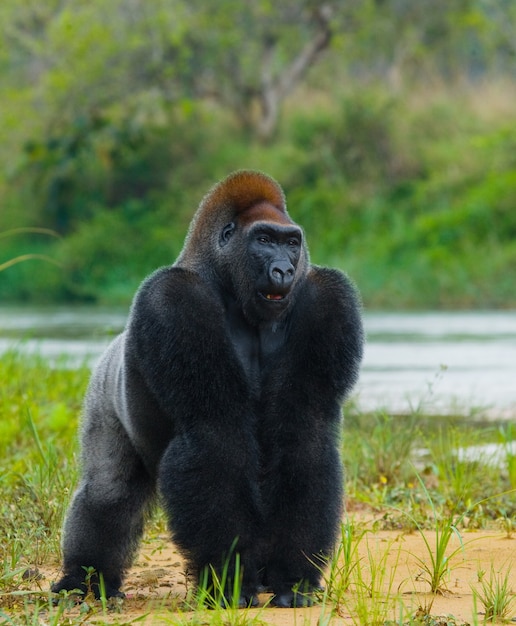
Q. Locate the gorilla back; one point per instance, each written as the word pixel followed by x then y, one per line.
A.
pixel 224 394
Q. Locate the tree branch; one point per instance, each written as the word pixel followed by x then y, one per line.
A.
pixel 275 89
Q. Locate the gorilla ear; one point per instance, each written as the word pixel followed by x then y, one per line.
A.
pixel 226 234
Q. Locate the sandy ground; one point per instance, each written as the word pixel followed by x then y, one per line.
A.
pixel 156 584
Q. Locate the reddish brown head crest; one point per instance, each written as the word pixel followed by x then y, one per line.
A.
pixel 243 197
pixel 244 190
pixel 263 211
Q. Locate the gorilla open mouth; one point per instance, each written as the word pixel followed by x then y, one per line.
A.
pixel 272 297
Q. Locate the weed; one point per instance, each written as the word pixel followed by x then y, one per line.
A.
pixel 381 449
pixel 374 599
pixel 221 593
pixel 39 405
pixel 346 559
pixel 495 594
pixel 436 566
pixel 507 524
pixel 461 479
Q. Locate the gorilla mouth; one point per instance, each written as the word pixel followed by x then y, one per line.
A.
pixel 272 297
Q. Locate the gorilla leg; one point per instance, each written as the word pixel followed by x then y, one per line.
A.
pixel 210 493
pixel 303 523
pixel 105 521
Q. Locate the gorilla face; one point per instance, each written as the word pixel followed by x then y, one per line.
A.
pixel 265 265
pixel 274 252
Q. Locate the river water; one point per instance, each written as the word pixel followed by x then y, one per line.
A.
pixel 438 362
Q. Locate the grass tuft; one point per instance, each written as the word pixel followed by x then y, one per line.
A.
pixel 495 594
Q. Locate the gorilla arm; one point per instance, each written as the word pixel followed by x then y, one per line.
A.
pixel 177 342
pixel 338 337
pixel 178 346
pixel 301 434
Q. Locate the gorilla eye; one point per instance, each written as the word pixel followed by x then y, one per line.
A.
pixel 263 239
pixel 293 242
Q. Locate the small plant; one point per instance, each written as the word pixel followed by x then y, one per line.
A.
pixel 374 600
pixel 221 592
pixel 342 565
pixel 462 480
pixel 38 610
pixel 427 399
pixel 495 594
pixel 507 524
pixel 381 451
pixel 222 595
pixel 436 566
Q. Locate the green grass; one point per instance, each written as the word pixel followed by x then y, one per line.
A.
pixel 39 407
pixel 403 468
pixel 375 599
pixel 495 594
pixel 436 565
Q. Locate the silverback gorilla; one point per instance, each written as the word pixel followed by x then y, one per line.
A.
pixel 224 392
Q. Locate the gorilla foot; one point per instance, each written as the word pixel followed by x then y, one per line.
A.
pixel 246 601
pixel 292 600
pixel 77 584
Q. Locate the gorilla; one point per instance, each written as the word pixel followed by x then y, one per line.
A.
pixel 223 394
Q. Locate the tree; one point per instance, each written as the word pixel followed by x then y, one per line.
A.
pixel 256 54
pixel 248 56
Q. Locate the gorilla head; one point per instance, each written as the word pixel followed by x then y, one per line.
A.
pixel 256 253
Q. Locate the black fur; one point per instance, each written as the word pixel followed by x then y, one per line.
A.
pixel 233 411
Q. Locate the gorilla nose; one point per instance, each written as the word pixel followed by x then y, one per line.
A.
pixel 281 273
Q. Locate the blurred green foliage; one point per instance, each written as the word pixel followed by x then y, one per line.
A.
pixel 396 147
